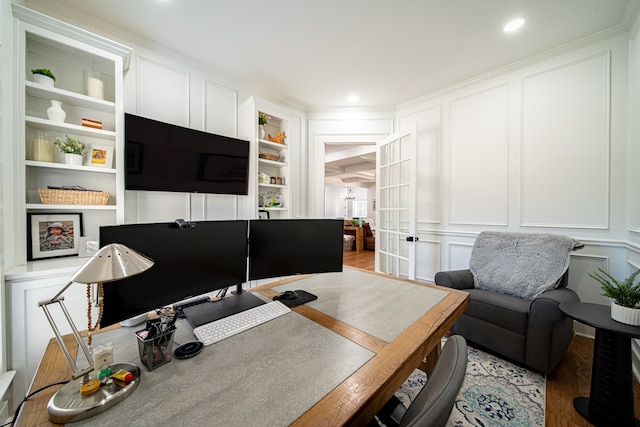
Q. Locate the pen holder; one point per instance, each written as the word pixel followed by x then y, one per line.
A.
pixel 155 350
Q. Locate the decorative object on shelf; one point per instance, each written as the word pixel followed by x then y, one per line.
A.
pixel 263 119
pixel 112 262
pixel 273 199
pixel 42 147
pixel 262 131
pixel 277 139
pixel 100 156
pixel 55 113
pixel 52 235
pixel 74 195
pixel 93 84
pixel 269 156
pixel 263 178
pixel 95 124
pixel 88 246
pixel 625 307
pixel 43 76
pixel 72 148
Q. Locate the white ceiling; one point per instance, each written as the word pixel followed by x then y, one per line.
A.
pixel 313 54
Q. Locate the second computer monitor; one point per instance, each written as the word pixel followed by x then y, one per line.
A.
pixel 284 247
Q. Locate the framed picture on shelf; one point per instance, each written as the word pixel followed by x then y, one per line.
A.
pixel 52 235
pixel 100 156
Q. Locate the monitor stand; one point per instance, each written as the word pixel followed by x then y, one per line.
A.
pixel 213 310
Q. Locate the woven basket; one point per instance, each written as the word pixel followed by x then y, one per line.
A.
pixel 269 156
pixel 72 197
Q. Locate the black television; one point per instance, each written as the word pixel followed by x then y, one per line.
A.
pixel 165 157
pixel 188 262
pixel 285 247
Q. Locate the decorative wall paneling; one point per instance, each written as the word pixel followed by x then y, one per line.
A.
pixel 479 158
pixel 565 145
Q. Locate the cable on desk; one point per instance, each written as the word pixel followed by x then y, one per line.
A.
pixel 15 415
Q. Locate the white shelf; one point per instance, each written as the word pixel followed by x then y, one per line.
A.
pixel 42 206
pixel 271 185
pixel 273 145
pixel 70 98
pixel 273 163
pixel 51 165
pixel 49 125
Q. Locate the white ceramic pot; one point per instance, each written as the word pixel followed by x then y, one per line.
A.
pixel 55 113
pixel 73 159
pixel 626 315
pixel 43 80
pixel 262 131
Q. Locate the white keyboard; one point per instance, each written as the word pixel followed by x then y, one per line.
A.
pixel 220 329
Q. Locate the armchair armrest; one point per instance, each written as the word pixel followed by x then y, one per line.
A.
pixel 456 279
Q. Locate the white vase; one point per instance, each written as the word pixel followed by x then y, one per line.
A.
pixel 43 80
pixel 73 159
pixel 262 131
pixel 626 315
pixel 55 113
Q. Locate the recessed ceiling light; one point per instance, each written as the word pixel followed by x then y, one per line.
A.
pixel 352 98
pixel 513 25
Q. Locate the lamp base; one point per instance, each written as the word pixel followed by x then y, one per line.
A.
pixel 68 405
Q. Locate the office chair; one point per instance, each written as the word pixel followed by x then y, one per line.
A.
pixel 433 405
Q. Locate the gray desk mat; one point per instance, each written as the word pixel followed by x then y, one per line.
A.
pixel 381 306
pixel 268 375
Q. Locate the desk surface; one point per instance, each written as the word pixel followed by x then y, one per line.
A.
pixel 333 361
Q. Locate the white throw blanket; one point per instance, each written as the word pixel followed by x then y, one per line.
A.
pixel 520 264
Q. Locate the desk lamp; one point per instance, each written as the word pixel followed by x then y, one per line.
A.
pixel 70 403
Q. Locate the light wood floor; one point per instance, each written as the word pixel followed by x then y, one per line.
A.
pixel 571 378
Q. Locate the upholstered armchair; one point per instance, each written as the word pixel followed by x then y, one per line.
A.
pixel 516 282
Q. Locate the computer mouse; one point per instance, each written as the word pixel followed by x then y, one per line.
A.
pixel 288 295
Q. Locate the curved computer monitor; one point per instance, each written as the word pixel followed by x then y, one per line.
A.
pixel 189 261
pixel 284 247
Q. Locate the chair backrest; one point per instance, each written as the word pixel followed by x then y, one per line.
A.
pixel 433 405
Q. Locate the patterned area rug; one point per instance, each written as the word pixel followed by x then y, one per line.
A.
pixel 495 393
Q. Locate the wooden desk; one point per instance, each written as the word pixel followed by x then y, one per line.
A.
pixel 352 401
pixel 359 233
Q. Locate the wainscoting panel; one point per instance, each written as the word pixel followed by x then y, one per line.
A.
pixel 459 255
pixel 220 109
pixel 162 93
pixel 479 155
pixel 428 161
pixel 427 259
pixel 565 146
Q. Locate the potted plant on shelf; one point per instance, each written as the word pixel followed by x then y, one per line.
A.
pixel 72 148
pixel 625 307
pixel 43 76
pixel 263 119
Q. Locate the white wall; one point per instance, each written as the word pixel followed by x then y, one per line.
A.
pixel 542 148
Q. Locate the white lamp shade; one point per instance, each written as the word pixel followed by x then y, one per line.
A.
pixel 112 262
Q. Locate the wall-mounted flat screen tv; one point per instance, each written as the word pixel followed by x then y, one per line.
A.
pixel 164 157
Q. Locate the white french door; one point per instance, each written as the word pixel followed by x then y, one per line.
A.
pixel 396 205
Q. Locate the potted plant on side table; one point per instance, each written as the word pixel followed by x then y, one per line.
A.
pixel 72 148
pixel 625 307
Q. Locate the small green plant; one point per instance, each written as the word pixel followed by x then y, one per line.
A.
pixel 44 72
pixel 70 145
pixel 624 292
pixel 263 119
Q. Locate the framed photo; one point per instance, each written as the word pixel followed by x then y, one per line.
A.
pixel 100 156
pixel 52 235
pixel 88 246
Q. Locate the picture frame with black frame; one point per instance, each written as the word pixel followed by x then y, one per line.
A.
pixel 53 234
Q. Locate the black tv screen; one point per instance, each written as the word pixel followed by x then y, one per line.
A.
pixel 165 157
pixel 188 262
pixel 284 247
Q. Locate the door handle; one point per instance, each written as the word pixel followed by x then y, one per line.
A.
pixel 412 239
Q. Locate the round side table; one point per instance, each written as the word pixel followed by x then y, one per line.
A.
pixel 611 397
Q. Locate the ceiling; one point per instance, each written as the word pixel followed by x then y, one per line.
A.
pixel 313 54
